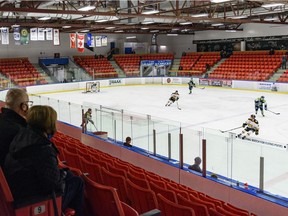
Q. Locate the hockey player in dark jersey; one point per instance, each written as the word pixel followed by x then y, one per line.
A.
pixel 250 126
pixel 174 97
pixel 260 103
pixel 191 85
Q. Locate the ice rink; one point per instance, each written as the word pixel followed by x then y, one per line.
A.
pixel 211 108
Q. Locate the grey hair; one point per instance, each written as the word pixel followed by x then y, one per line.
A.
pixel 15 97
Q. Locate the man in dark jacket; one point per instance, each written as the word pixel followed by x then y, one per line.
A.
pixel 12 118
pixel 196 165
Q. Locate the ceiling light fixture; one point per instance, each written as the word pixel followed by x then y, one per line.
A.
pixel 232 31
pixel 154 31
pixel 119 31
pixel 172 35
pixel 101 20
pixel 217 24
pixel 185 23
pixel 130 37
pixel 85 30
pixel 219 1
pixel 270 19
pixel 44 18
pixel 15 26
pixel 200 15
pixel 111 27
pixel 272 5
pixel 144 28
pixel 147 22
pixel 87 8
pixel 150 12
pixel 66 27
pixel 239 17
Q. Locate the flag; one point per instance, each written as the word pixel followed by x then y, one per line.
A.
pixel 16 35
pixel 89 39
pixel 72 40
pixel 33 34
pixel 56 40
pixel 80 42
pixel 5 35
pixel 24 36
pixel 49 33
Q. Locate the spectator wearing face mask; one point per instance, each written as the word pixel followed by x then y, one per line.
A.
pixel 31 166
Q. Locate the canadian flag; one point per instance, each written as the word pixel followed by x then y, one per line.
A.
pixel 72 40
pixel 80 42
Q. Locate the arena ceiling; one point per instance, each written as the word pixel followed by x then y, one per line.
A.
pixel 142 16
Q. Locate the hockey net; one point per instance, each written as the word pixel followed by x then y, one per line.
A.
pixel 92 87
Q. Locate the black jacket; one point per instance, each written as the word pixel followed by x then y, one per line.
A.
pixel 10 124
pixel 31 166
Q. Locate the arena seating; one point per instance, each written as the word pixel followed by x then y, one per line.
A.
pixel 97 68
pixel 195 63
pixel 130 63
pixel 250 65
pixel 283 77
pixel 20 71
pixel 140 195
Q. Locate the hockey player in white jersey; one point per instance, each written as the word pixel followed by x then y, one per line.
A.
pixel 260 103
pixel 250 126
pixel 174 97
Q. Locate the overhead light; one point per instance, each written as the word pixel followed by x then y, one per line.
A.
pixel 154 31
pixel 44 18
pixel 130 37
pixel 200 15
pixel 111 27
pixel 272 5
pixel 150 12
pixel 101 20
pixel 15 26
pixel 185 23
pixel 131 23
pixel 85 30
pixel 175 29
pixel 239 17
pixel 270 19
pixel 219 1
pixel 119 31
pixel 66 27
pixel 147 22
pixel 231 31
pixel 172 35
pixel 144 28
pixel 217 24
pixel 87 8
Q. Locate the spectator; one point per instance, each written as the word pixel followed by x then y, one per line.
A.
pixel 180 68
pixel 195 166
pixel 284 60
pixel 128 142
pixel 31 166
pixel 12 118
pixel 271 52
pixel 207 67
pixel 184 54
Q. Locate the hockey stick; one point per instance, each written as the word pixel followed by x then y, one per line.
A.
pixel 230 129
pixel 94 126
pixel 273 112
pixel 178 105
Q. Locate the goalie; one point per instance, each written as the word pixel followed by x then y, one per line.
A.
pixel 250 126
pixel 174 97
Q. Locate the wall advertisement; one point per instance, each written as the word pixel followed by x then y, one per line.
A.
pixel 216 82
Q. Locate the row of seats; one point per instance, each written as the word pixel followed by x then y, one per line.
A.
pixel 138 188
pixel 130 63
pixel 20 71
pixel 97 68
pixel 283 77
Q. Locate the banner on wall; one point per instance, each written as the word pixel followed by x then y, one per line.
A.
pixel 89 39
pixel 5 35
pixel 41 34
pixel 92 42
pixel 104 40
pixel 33 34
pixel 80 42
pixel 171 80
pixel 56 37
pixel 216 82
pixel 49 33
pixel 73 40
pixel 24 36
pixel 16 35
pixel 98 41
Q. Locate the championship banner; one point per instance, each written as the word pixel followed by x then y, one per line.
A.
pixel 98 41
pixel 24 36
pixel 5 35
pixel 80 42
pixel 92 42
pixel 33 34
pixel 16 35
pixel 89 39
pixel 41 34
pixel 72 40
pixel 49 33
pixel 56 38
pixel 104 40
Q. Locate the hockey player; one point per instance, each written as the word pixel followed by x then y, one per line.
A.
pixel 87 118
pixel 191 85
pixel 259 104
pixel 250 126
pixel 174 97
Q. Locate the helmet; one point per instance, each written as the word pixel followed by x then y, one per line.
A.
pixel 262 97
pixel 89 109
pixel 176 91
pixel 253 116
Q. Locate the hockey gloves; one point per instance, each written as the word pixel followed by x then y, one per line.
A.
pixel 257 132
pixel 244 124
